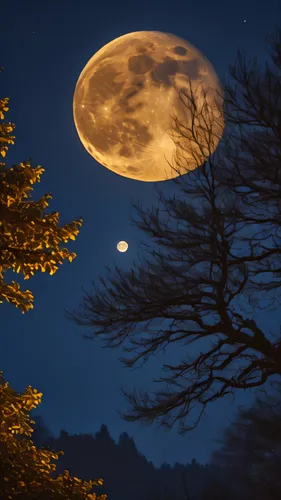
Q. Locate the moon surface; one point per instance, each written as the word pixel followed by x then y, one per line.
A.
pixel 122 246
pixel 127 97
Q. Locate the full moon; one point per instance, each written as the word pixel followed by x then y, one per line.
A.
pixel 126 99
pixel 122 246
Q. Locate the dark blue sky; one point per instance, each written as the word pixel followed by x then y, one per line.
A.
pixel 45 45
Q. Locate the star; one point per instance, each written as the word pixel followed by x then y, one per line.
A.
pixel 245 20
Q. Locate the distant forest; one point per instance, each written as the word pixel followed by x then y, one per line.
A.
pixel 246 464
pixel 127 474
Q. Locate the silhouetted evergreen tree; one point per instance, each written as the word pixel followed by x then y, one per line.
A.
pixel 251 448
pixel 41 433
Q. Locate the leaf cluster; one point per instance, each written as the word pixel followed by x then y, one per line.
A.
pixel 27 472
pixel 30 239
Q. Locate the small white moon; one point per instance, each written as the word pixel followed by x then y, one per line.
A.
pixel 122 246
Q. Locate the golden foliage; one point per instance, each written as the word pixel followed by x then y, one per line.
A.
pixel 27 472
pixel 30 239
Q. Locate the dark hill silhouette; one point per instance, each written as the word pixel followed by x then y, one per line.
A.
pixel 126 472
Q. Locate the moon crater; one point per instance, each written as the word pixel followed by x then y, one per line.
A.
pixel 140 65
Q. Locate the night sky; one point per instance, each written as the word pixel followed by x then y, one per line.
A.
pixel 44 47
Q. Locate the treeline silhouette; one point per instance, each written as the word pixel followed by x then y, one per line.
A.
pixel 126 472
pixel 245 465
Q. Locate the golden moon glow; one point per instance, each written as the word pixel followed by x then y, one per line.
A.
pixel 122 246
pixel 127 95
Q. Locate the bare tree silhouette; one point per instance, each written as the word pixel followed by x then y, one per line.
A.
pixel 214 256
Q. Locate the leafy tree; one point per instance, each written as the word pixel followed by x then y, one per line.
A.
pixel 208 265
pixel 30 239
pixel 27 472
